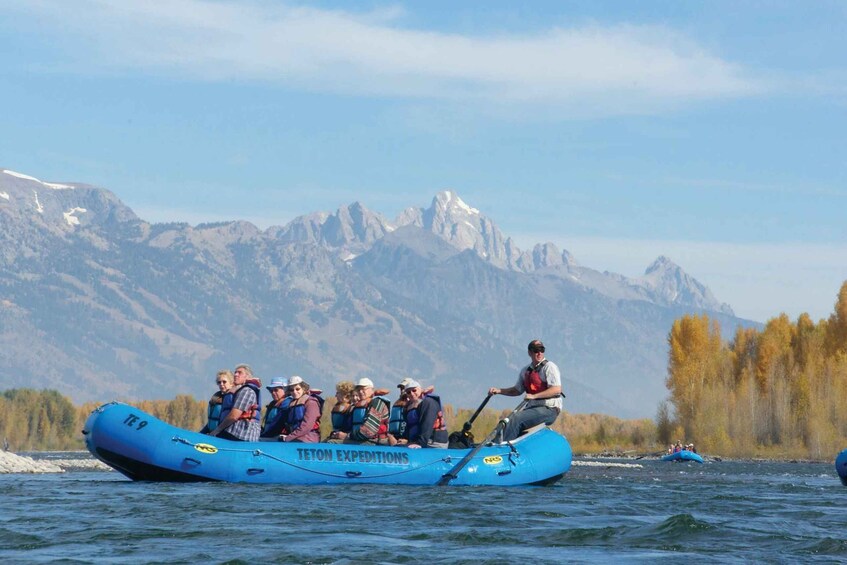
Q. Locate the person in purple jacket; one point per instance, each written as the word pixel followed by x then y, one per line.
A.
pixel 304 413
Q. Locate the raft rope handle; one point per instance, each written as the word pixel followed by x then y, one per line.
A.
pixel 259 453
pixel 102 407
pixel 347 473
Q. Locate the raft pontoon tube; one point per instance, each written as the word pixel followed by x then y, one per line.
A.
pixel 145 448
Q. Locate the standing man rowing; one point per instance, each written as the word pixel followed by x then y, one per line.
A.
pixel 542 383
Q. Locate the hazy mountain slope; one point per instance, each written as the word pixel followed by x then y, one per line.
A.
pixel 100 304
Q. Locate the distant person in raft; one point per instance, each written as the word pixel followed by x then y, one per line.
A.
pixel 241 412
pixel 542 383
pixel 224 380
pixel 370 418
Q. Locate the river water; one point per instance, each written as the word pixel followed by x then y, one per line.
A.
pixel 725 511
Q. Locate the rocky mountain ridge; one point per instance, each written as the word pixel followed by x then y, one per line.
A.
pixel 99 303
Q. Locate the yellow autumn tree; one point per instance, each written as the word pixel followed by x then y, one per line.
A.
pixel 836 334
pixel 695 358
pixel 774 354
pixel 778 392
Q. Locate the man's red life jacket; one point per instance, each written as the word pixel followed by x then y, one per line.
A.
pixel 532 381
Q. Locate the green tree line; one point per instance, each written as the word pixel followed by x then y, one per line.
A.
pixel 778 392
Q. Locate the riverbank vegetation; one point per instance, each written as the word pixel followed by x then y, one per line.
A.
pixel 775 393
pixel 45 420
pixel 778 392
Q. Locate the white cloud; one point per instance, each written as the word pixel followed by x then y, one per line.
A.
pixel 590 69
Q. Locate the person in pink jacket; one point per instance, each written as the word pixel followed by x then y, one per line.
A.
pixel 304 413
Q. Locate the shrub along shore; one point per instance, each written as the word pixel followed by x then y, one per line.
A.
pixel 45 420
pixel 774 394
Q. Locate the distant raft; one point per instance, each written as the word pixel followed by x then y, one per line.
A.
pixel 841 466
pixel 683 455
pixel 145 448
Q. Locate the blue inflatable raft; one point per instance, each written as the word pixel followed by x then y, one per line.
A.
pixel 841 466
pixel 683 455
pixel 145 448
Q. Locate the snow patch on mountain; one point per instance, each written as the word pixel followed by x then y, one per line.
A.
pixel 38 207
pixel 70 218
pixel 53 185
pixel 58 186
pixel 4 195
pixel 452 199
pixel 20 175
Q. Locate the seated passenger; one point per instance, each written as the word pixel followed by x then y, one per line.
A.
pixel 240 409
pixel 370 418
pixel 224 381
pixel 424 419
pixel 304 414
pixel 396 421
pixel 276 412
pixel 342 412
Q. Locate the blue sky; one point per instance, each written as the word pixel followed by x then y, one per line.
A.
pixel 710 132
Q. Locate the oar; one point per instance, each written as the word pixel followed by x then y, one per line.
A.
pixel 464 438
pixel 467 427
pixel 449 476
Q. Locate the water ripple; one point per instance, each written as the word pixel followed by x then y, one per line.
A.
pixel 730 511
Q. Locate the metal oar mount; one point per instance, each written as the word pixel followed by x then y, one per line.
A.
pixel 449 476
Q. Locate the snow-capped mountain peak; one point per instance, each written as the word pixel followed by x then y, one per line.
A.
pixel 669 284
pixel 449 199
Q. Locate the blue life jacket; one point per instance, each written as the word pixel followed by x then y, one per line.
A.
pixel 413 419
pixel 361 412
pixel 342 421
pixel 275 416
pixel 296 413
pixel 254 412
pixel 396 422
pixel 214 416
